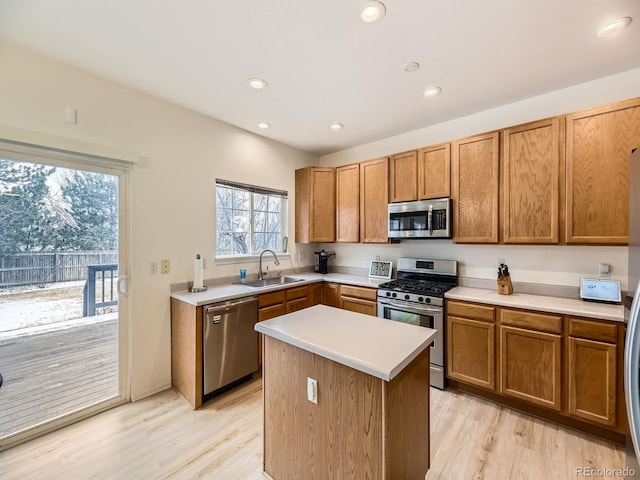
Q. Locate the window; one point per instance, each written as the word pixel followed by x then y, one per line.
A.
pixel 249 218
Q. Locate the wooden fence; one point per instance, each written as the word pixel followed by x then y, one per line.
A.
pixel 43 268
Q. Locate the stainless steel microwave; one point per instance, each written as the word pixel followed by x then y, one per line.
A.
pixel 421 219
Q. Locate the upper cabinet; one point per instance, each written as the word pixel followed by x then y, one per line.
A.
pixel 560 180
pixel 315 214
pixel 403 176
pixel 434 171
pixel 532 162
pixel 374 196
pixel 599 143
pixel 420 174
pixel 348 203
pixel 475 176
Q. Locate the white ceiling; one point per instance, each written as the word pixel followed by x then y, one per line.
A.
pixel 323 64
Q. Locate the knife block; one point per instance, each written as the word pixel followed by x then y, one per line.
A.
pixel 505 287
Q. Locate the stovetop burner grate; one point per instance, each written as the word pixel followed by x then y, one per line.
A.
pixel 419 287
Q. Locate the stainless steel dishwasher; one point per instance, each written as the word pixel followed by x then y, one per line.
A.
pixel 229 343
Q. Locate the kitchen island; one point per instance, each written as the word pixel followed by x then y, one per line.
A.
pixel 368 414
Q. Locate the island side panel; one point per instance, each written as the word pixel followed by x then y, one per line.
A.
pixel 340 437
pixel 186 351
pixel 406 414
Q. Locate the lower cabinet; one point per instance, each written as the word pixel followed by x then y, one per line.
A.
pixel 359 299
pixel 331 294
pixel 530 357
pixel 471 344
pixel 566 366
pixel 592 353
pixel 297 298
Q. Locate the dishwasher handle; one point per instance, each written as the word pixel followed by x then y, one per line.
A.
pixel 224 307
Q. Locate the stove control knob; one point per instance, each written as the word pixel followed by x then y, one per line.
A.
pixel 388 294
pixel 394 295
pixel 420 299
pixel 407 297
pixel 428 300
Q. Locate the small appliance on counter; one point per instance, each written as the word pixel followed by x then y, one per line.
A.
pixel 322 259
pixel 599 290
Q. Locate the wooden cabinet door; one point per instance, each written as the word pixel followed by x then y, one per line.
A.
pixel 530 364
pixel 531 165
pixel 348 203
pixel 592 380
pixel 599 143
pixel 471 351
pixel 403 177
pixel 475 177
pixel 331 294
pixel 374 198
pixel 434 171
pixel 316 294
pixel 315 207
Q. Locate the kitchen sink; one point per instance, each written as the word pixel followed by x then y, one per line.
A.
pixel 269 282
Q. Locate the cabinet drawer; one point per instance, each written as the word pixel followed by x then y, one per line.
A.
pixel 537 321
pixel 297 304
pixel 297 292
pixel 271 311
pixel 471 310
pixel 607 332
pixel 268 299
pixel 358 292
pixel 359 305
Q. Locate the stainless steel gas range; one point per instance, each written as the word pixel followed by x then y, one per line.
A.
pixel 417 297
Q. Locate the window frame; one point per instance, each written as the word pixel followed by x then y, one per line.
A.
pixel 252 190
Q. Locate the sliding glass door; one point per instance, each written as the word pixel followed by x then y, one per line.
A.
pixel 63 342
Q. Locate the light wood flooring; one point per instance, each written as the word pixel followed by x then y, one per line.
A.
pixel 162 438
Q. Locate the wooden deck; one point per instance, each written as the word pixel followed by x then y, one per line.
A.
pixel 56 372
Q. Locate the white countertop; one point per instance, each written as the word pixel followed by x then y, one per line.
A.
pixel 227 292
pixel 381 348
pixel 565 306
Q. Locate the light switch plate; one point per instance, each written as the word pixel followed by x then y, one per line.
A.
pixel 312 390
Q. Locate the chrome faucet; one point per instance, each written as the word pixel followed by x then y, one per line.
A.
pixel 262 274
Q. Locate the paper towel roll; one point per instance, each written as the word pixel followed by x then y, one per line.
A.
pixel 197 272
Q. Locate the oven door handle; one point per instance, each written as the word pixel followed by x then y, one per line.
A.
pixel 411 308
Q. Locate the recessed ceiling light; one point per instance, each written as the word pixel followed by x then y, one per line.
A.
pixel 614 26
pixel 263 125
pixel 257 83
pixel 336 126
pixel 432 91
pixel 372 12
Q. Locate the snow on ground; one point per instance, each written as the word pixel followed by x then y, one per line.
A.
pixel 31 308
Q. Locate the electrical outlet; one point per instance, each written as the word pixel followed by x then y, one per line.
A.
pixel 302 254
pixel 153 268
pixel 165 266
pixel 604 269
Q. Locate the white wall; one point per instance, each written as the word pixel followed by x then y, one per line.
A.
pixel 172 191
pixel 560 265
